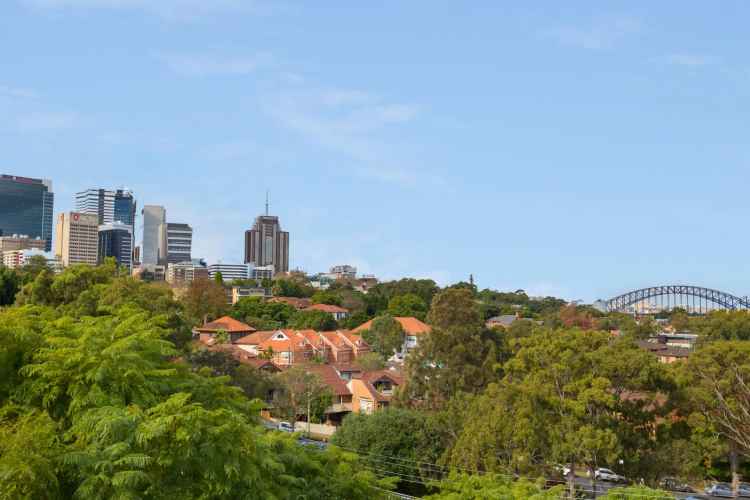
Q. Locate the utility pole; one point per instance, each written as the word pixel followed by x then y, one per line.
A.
pixel 309 397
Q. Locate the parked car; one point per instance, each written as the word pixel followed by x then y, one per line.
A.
pixel 744 490
pixel 722 490
pixel 674 484
pixel 285 427
pixel 696 497
pixel 609 476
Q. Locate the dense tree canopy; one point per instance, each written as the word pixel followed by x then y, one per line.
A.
pixel 97 401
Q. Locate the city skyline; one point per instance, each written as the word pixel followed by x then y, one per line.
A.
pixel 590 150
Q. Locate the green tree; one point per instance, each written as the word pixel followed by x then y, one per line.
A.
pixel 724 325
pixel 406 449
pixel 102 405
pixel 371 361
pixel 716 380
pixel 408 305
pixel 314 320
pixel 326 297
pixel 262 315
pixel 30 450
pixel 291 287
pixel 483 487
pixel 219 278
pixel 458 355
pixel 10 283
pixel 300 391
pixel 32 267
pixel 204 300
pixel 385 336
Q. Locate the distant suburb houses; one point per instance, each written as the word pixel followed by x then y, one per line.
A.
pixel 332 355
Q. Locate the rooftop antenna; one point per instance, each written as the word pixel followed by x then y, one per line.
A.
pixel 266 202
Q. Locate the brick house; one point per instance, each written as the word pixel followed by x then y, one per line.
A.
pixel 373 390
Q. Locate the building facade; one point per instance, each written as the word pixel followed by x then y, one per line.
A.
pixel 230 272
pixel 21 242
pixel 186 272
pixel 179 242
pixel 77 238
pixel 109 205
pixel 116 240
pixel 267 245
pixel 26 207
pixel 154 246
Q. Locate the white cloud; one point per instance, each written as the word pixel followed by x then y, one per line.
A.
pixel 41 121
pixel 347 122
pixel 690 60
pixel 206 65
pixel 601 35
pixel 17 92
pixel 170 9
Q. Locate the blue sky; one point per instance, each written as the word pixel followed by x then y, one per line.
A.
pixel 572 148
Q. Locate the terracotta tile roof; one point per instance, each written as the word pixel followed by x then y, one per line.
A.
pixel 261 364
pixel 371 377
pixel 411 326
pixel 337 340
pixel 228 324
pixel 354 338
pixel 254 338
pixel 329 377
pixel 327 308
pixel 368 380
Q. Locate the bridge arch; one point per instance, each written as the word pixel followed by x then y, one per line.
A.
pixel 679 296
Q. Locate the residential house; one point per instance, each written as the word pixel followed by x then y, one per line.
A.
pixel 373 390
pixel 284 347
pixel 338 313
pixel 287 347
pixel 235 329
pixel 413 330
pixel 343 346
pixel 236 293
pixel 295 302
pixel 341 404
pixel 505 321
pixel 665 353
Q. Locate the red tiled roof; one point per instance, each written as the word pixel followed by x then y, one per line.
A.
pixel 411 326
pixel 371 377
pixel 254 338
pixel 228 324
pixel 354 338
pixel 328 308
pixel 330 378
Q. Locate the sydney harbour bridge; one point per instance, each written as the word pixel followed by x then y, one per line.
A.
pixel 694 299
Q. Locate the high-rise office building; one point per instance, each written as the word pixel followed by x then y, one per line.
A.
pixel 154 245
pixel 179 242
pixel 266 244
pixel 109 205
pixel 230 272
pixel 26 207
pixel 77 238
pixel 116 240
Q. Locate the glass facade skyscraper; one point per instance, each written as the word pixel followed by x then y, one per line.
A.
pixel 116 240
pixel 109 205
pixel 26 207
pixel 179 242
pixel 154 246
